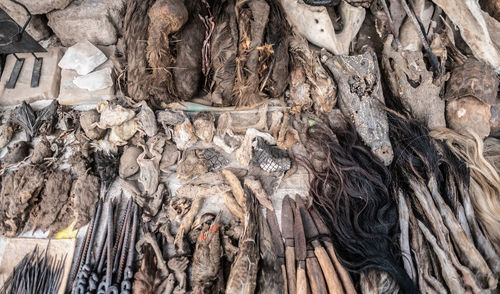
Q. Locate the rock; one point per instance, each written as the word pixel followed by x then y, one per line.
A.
pixel 49 79
pixel 70 94
pixel 44 6
pixel 83 57
pixel 97 80
pixel 37 27
pixel 96 21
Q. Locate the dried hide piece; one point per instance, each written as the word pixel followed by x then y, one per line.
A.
pixel 361 98
pixel 20 190
pixel 165 18
pixel 188 64
pixel 224 45
pixel 409 79
pixel 128 162
pixel 84 195
pixel 278 35
pixel 192 164
pixel 309 81
pixel 149 164
pixel 204 126
pixel 135 32
pixel 314 24
pixel 54 197
pixel 252 17
pixel 147 120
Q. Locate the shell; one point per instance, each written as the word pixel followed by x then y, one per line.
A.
pixel 473 78
pixel 88 120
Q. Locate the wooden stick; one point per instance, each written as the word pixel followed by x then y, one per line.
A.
pixel 344 275
pixel 285 279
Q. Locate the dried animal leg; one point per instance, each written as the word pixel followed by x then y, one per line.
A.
pixel 204 190
pixel 236 188
pixel 179 266
pixel 185 226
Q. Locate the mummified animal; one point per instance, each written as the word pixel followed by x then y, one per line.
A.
pixel 252 17
pixel 350 192
pixel 223 56
pixel 188 64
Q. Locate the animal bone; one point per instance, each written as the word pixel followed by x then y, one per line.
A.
pixel 314 24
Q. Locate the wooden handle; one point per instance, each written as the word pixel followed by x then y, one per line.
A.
pixel 285 279
pixel 331 277
pixel 302 287
pixel 316 279
pixel 290 269
pixel 344 275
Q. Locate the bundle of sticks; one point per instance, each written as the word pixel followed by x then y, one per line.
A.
pixel 307 256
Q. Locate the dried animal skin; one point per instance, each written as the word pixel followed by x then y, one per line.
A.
pixel 237 189
pixel 113 115
pixel 243 275
pixel 169 118
pixel 409 79
pixel 204 126
pixel 41 151
pixel 314 24
pixel 309 82
pixel 204 190
pixel 169 157
pixel 19 188
pixel 179 266
pixel 188 63
pixel 54 196
pixel 207 258
pixel 184 135
pixel 120 134
pixel 191 165
pixel 84 195
pixel 128 161
pixel 361 99
pixel 252 17
pixel 244 153
pixel 151 204
pixel 149 170
pixel 256 187
pixel 135 27
pixel 374 282
pixel 6 132
pixel 166 17
pixel 224 43
pixel 17 152
pixel 215 159
pixel 260 125
pixel 144 278
pixel 147 119
pixel 88 120
pixel 233 206
pixel 185 226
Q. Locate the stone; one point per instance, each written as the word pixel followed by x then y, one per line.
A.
pixel 97 80
pixel 98 21
pixel 49 79
pixel 37 27
pixel 44 6
pixel 83 57
pixel 71 94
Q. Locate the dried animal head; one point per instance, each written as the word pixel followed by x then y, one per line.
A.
pixel 41 151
